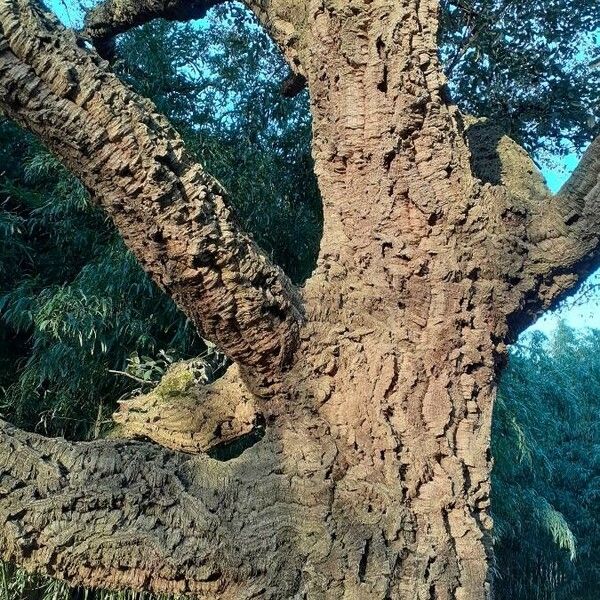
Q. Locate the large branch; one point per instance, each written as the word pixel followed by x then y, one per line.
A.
pixel 117 514
pixel 283 19
pixel 541 247
pixel 172 214
pixel 564 233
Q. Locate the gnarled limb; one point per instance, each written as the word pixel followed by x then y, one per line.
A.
pixel 184 416
pixel 562 239
pixel 544 244
pixel 283 19
pixel 126 514
pixel 566 233
pixel 171 213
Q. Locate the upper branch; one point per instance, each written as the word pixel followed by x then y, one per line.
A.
pixel 112 17
pixel 283 20
pixel 541 245
pixel 565 232
pixel 171 213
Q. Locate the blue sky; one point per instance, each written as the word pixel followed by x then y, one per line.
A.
pixel 576 311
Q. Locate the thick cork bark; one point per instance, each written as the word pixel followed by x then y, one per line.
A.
pixel 441 242
pixel 172 214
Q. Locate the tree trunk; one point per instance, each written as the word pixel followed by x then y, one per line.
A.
pixel 373 479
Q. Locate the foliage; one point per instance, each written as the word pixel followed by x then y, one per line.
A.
pixel 546 480
pixel 529 66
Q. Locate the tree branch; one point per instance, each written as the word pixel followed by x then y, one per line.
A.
pixel 565 232
pixel 282 19
pixel 117 514
pixel 112 17
pixel 184 416
pixel 541 246
pixel 172 214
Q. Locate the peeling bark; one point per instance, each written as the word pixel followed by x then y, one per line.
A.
pixel 440 242
pixel 182 415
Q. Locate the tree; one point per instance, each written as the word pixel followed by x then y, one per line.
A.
pixel 374 381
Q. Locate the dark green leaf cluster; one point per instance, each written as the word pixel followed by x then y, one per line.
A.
pixel 528 65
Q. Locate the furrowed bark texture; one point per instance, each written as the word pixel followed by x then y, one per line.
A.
pixel 115 514
pixel 182 415
pixel 172 214
pixel 441 240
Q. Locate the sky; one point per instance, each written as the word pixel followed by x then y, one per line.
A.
pixel 579 311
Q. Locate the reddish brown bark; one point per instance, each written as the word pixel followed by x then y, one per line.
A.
pixel 440 242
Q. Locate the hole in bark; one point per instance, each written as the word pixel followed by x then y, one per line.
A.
pixel 380 48
pixel 572 218
pixel 433 219
pixel 388 159
pixel 382 86
pixel 362 566
pixel 233 449
pixel 483 140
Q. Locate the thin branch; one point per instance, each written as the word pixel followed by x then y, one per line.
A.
pixel 113 17
pixel 474 35
pixel 138 379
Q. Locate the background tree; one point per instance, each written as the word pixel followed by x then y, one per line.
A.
pixel 545 485
pixel 529 67
pixel 367 551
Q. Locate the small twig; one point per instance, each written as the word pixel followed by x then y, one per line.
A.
pixel 138 379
